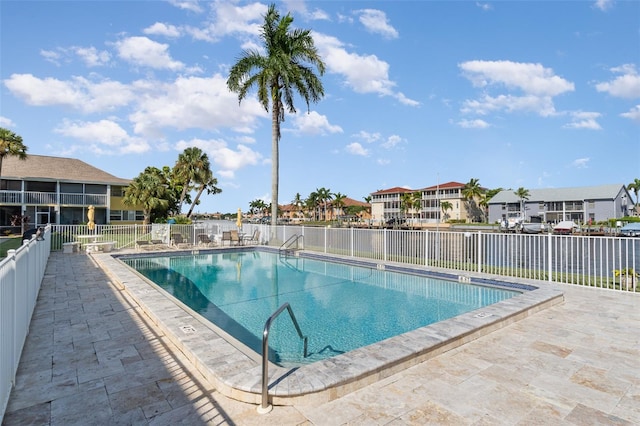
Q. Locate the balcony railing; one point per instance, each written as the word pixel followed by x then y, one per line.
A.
pixel 51 198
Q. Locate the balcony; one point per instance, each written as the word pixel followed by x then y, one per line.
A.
pixel 51 198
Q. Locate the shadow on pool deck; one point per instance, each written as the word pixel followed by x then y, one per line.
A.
pixel 93 357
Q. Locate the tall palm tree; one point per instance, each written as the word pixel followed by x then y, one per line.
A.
pixel 311 204
pixel 149 190
pixel 635 187
pixel 11 144
pixel 324 195
pixel 338 203
pixel 192 168
pixel 472 191
pixel 298 203
pixel 522 194
pixel 284 69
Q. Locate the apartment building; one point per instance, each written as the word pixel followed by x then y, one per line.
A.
pixel 59 190
pixel 386 204
pixel 580 204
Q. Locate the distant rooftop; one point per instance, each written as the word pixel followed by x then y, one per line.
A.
pixel 600 192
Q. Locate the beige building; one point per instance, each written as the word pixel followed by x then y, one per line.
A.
pixel 59 190
pixel 386 204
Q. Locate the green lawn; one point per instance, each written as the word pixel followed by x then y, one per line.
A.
pixel 9 244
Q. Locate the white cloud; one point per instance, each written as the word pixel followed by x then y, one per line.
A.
pixel 392 141
pixel 363 73
pixel 194 102
pixel 103 137
pixel 78 93
pixel 473 124
pixel 533 79
pixel 625 86
pixel 142 51
pixel 92 57
pixel 633 114
pixel 219 153
pixel 6 122
pixel 603 4
pixel 484 6
pixel 485 105
pixel 51 56
pixel 356 149
pixel 230 19
pixel 375 21
pixel 367 137
pixel 190 5
pixel 535 87
pixel 313 123
pixel 104 131
pixel 580 163
pixel 160 28
pixel 584 120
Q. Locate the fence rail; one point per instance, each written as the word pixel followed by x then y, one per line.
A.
pixel 21 274
pixel 598 261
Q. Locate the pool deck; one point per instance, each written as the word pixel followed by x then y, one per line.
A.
pixel 95 356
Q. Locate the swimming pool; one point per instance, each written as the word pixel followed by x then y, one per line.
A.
pixel 339 307
pixel 236 372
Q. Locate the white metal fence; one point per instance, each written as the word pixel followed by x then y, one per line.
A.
pixel 596 261
pixel 21 274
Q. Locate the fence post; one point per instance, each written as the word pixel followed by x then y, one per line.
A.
pixel 479 252
pixel 549 256
pixel 352 237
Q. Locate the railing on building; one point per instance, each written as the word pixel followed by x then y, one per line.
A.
pixel 51 198
pixel 21 274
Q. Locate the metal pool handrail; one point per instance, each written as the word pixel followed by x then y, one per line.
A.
pixel 294 239
pixel 265 407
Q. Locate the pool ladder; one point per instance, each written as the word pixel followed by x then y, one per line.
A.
pixel 265 407
pixel 292 244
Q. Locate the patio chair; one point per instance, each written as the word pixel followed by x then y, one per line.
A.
pixel 178 242
pixel 253 238
pixel 235 238
pixel 226 236
pixel 204 240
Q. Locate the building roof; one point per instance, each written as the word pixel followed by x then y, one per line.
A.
pixel 601 192
pixel 401 190
pixel 446 185
pixel 43 167
pixel 395 190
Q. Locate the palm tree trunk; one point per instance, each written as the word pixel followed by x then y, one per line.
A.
pixel 275 137
pixel 195 200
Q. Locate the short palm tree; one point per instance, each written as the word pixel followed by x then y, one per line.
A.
pixel 446 206
pixel 192 168
pixel 522 194
pixel 149 190
pixel 283 69
pixel 635 187
pixel 471 192
pixel 324 195
pixel 338 203
pixel 11 144
pixel 298 203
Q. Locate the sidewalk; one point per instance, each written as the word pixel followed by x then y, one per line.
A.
pixel 92 358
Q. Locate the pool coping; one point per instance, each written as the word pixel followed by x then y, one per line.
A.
pixel 238 375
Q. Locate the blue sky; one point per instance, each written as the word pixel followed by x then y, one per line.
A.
pixel 533 94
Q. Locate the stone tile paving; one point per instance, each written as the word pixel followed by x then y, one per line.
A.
pixel 92 357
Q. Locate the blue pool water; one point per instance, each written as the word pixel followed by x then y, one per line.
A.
pixel 339 307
